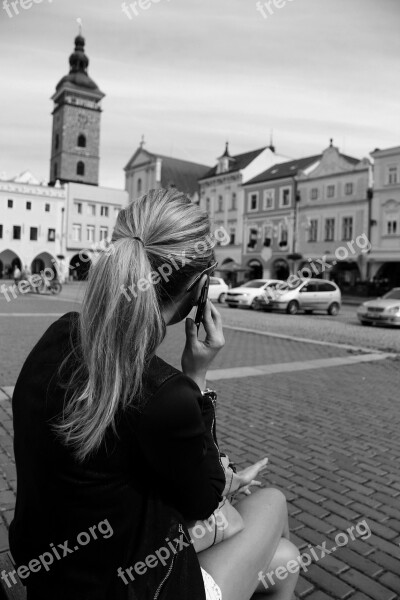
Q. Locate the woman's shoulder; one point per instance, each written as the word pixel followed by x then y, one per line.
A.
pixel 172 397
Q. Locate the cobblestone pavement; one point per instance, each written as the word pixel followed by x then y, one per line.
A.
pixel 331 435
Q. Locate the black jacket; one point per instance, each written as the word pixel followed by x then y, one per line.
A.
pixel 112 527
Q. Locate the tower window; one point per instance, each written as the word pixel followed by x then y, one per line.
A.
pixel 57 141
pixel 80 168
pixel 82 141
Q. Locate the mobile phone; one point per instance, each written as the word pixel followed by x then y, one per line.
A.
pixel 201 305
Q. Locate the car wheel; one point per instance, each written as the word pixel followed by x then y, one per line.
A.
pixel 333 309
pixel 292 308
pixel 232 305
pixel 254 304
pixel 222 298
pixel 309 312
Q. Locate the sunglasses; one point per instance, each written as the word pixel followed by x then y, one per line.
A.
pixel 208 271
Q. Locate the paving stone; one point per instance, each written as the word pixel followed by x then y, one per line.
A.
pixel 391 581
pixel 367 585
pixel 329 583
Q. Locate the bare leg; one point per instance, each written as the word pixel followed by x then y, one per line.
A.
pixel 236 563
pixel 282 587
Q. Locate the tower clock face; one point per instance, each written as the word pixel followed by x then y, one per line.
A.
pixel 82 120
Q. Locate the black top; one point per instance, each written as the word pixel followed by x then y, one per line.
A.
pixel 78 523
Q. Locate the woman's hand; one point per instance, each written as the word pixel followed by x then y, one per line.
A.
pixel 248 476
pixel 197 355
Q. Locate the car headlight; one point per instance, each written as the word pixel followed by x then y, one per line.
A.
pixel 394 309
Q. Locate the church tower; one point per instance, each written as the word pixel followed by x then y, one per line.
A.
pixel 75 140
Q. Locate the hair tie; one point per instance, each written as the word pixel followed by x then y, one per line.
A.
pixel 139 240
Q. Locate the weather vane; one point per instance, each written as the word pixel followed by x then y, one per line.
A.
pixel 79 21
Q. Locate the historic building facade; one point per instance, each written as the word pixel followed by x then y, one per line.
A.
pixel 146 171
pixel 222 196
pixel 384 259
pixel 270 218
pixel 334 217
pixel 31 220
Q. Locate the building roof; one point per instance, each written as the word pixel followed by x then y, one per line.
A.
pixel 285 169
pixel 183 174
pixel 236 163
pixel 78 78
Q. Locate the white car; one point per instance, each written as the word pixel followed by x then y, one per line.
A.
pixel 247 294
pixel 382 311
pixel 218 289
pixel 308 295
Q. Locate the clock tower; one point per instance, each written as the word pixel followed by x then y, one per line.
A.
pixel 75 140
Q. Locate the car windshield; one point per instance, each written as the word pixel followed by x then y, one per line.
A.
pixel 256 283
pixel 393 294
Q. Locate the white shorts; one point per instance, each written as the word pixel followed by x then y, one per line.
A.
pixel 213 591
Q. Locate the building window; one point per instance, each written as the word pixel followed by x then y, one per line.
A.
pixel 1 231
pixel 139 186
pixel 220 204
pixel 55 171
pixel 348 190
pixel 103 233
pixel 80 168
pixel 57 141
pixel 208 205
pixel 253 201
pixel 91 210
pixel 329 230
pixel 269 199
pixel 234 201
pixel 268 230
pixel 330 191
pixel 76 233
pixel 283 235
pixel 81 141
pixel 104 211
pixel 314 194
pixel 10 203
pixel 16 232
pixel 392 175
pixel 28 205
pixel 51 235
pixel 347 228
pixel 33 234
pixel 313 230
pixel 90 233
pixel 391 227
pixel 253 234
pixel 47 207
pixel 284 199
pixel 78 207
pixel 232 235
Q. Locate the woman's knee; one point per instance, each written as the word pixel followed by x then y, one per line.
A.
pixel 275 499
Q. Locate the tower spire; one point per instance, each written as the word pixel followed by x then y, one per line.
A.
pixel 271 140
pixel 79 21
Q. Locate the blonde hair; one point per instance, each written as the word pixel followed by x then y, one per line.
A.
pixel 118 335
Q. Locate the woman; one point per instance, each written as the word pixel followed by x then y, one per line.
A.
pixel 113 446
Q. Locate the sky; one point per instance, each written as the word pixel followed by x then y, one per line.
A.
pixel 192 74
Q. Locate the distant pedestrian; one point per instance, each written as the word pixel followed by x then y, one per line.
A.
pixel 16 274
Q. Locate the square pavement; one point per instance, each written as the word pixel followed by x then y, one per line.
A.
pixel 331 435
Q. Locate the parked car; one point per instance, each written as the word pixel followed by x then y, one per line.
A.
pixel 247 294
pixel 309 295
pixel 382 311
pixel 218 289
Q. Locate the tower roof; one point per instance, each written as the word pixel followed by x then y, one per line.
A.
pixel 78 78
